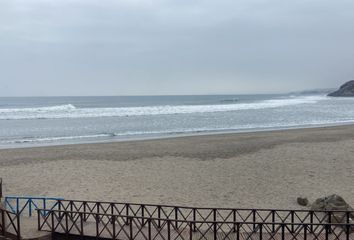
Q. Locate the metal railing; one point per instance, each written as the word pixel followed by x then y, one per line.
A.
pixel 28 205
pixel 204 214
pixel 127 227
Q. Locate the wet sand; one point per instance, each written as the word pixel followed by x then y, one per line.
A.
pixel 258 170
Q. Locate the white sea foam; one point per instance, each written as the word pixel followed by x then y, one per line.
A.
pixel 70 111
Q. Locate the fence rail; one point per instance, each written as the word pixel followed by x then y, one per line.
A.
pixel 205 214
pixel 127 227
pixel 10 224
pixel 27 205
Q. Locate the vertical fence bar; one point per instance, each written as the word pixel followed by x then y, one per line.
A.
pixel 66 225
pixel 97 227
pixel 81 225
pixel 114 227
pixel 260 231
pixel 327 231
pixel 311 221
pixel 194 219
pixel 52 223
pixel 143 215
pixel 238 231
pixel 330 221
pixel 191 230
pixel 305 231
pixel 17 205
pixel 234 219
pixel 159 216
pixel 273 221
pixel 176 217
pixel 254 219
pixel 30 207
pixel 3 231
pixel 149 229
pixel 292 221
pixel 127 213
pixel 130 228
pixel 168 230
pixel 84 203
pixel 38 220
pixel 215 230
pixel 282 231
pixel 112 212
pixel 18 226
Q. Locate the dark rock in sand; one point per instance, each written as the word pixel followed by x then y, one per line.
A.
pixel 335 203
pixel 302 201
pixel 346 90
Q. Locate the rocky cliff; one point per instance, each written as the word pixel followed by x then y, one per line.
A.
pixel 346 90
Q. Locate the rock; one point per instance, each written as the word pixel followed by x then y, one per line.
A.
pixel 330 203
pixel 346 90
pixel 302 201
pixel 335 203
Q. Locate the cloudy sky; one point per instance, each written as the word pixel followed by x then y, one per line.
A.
pixel 146 47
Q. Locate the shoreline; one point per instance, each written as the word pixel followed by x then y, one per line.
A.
pixel 128 138
pixel 240 170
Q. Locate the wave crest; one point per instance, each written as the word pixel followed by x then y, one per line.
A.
pixel 70 111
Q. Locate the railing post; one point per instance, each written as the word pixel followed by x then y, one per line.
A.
pixel 18 227
pixel 176 217
pixel 131 228
pixel 30 207
pixel 168 229
pixel 97 228
pixel 327 231
pixel 282 231
pixel 114 227
pixel 273 221
pixel 330 221
pixel 194 220
pixel 66 225
pixel 81 225
pixel 305 231
pixel 292 221
pixel 158 216
pixel 191 230
pixel 347 226
pixel 17 205
pixel 3 231
pixel 149 228
pixel 112 212
pixel 85 203
pixel 311 221
pixel 52 222
pixel 38 220
pixel 254 219
pixel 238 231
pixel 215 231
pixel 260 231
pixel 127 213
pixel 143 215
pixel 214 224
pixel 234 219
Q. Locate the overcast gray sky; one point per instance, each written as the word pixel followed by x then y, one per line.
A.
pixel 145 47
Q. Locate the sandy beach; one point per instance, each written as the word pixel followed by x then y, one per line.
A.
pixel 258 170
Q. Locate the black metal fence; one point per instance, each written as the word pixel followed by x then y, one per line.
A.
pixel 164 222
pixel 123 227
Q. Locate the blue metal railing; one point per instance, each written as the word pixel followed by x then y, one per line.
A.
pixel 22 204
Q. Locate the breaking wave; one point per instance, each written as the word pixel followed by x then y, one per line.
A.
pixel 70 111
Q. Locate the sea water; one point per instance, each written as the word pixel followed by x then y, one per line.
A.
pixel 37 121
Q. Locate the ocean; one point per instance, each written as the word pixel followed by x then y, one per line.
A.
pixel 40 121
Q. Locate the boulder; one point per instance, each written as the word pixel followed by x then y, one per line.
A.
pixel 302 201
pixel 335 203
pixel 346 90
